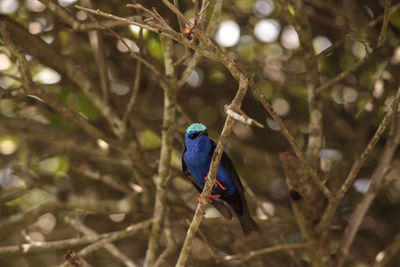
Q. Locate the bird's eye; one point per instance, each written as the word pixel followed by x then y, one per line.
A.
pixel 192 136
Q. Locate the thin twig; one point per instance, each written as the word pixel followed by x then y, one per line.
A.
pixel 198 216
pixel 291 141
pixel 330 210
pixel 328 84
pixel 177 12
pixel 78 25
pixel 79 226
pixel 370 24
pixel 167 136
pixel 243 118
pixel 260 252
pixel 386 16
pixel 135 90
pixel 102 239
pixel 66 243
pixel 384 256
pixel 376 182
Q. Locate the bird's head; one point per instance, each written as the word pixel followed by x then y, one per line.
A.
pixel 196 138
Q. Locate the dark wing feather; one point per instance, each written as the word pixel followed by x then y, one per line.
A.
pixel 238 200
pixel 228 166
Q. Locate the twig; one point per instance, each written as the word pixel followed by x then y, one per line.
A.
pixel 302 25
pixel 165 151
pixel 107 179
pixel 256 253
pixel 344 74
pixel 198 216
pixel 102 64
pixel 135 90
pixel 243 118
pixel 116 18
pixel 384 256
pixel 75 24
pixel 78 225
pixel 177 12
pixel 291 141
pixel 376 182
pixel 66 243
pixel 386 16
pixel 171 244
pixel 103 239
pixel 330 210
pixel 366 26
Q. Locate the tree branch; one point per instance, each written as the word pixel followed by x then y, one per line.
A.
pixel 212 173
pixel 330 210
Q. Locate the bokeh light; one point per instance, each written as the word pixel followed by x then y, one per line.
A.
pixel 136 29
pixel 196 78
pixel 281 106
pixel 320 43
pixel 8 6
pixel 35 27
pixel 8 146
pixel 127 45
pixel 119 87
pixel 65 3
pixel 81 15
pixel 289 38
pixel 117 217
pixel 5 62
pixel 35 5
pixel 47 76
pixel 267 30
pixel 361 185
pixel 228 33
pixel 349 94
pixel 263 8
pixel 273 124
pixel 358 50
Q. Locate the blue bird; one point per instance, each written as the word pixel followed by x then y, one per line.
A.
pixel 228 189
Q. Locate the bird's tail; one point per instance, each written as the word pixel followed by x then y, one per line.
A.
pixel 247 223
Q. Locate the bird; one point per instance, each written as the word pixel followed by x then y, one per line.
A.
pixel 228 188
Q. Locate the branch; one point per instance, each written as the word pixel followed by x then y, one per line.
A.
pixel 243 118
pixel 344 74
pixel 64 65
pixel 66 243
pixel 376 182
pixel 79 226
pixel 260 252
pixel 291 141
pixel 168 131
pixel 386 17
pixel 78 25
pixel 212 173
pixel 370 24
pixel 330 210
pixel 391 250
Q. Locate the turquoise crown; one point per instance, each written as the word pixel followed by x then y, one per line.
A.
pixel 196 127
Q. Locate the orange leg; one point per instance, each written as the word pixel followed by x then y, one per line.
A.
pixel 210 200
pixel 217 183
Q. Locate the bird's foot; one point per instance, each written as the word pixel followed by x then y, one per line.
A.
pixel 210 200
pixel 217 183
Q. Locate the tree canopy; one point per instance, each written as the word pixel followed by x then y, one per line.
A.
pixel 95 98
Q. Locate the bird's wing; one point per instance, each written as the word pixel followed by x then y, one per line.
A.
pixel 228 166
pixel 217 203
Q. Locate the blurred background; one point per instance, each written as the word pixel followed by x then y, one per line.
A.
pixel 52 169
